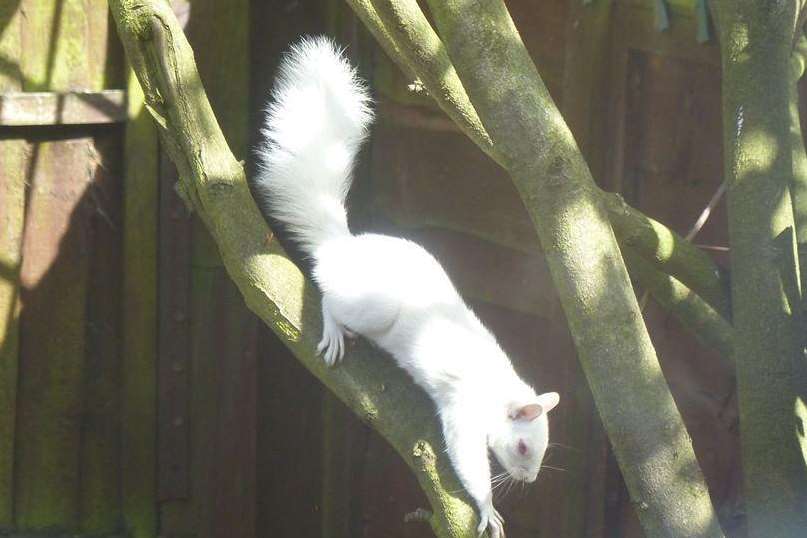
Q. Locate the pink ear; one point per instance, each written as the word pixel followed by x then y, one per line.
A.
pixel 527 412
pixel 548 401
pixel 544 403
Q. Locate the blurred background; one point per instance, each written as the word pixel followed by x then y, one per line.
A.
pixel 139 397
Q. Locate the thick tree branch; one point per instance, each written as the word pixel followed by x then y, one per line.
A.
pixel 369 383
pixel 401 26
pixel 649 438
pixel 756 42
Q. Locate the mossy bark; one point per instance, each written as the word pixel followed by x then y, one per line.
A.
pixel 273 287
pixel 756 41
pixel 405 34
pixel 649 438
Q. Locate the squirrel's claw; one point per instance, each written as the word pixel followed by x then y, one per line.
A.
pixel 332 345
pixel 492 521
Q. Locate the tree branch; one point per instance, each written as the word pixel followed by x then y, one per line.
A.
pixel 668 252
pixel 649 438
pixel 369 383
pixel 402 27
pixel 688 308
pixel 421 52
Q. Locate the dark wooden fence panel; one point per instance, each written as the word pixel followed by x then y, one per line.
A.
pixel 144 399
pixel 100 439
pixel 54 293
pixel 59 373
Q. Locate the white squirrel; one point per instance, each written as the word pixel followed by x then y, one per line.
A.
pixel 388 289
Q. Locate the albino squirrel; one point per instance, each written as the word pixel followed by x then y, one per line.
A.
pixel 388 289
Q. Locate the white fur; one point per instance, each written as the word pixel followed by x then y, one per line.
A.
pixel 388 289
pixel 317 119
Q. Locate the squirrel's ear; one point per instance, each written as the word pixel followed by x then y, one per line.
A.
pixel 548 401
pixel 526 413
pixel 544 403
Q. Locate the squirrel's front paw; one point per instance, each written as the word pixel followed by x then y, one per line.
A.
pixel 332 345
pixel 489 518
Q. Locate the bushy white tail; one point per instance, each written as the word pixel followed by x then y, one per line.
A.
pixel 314 125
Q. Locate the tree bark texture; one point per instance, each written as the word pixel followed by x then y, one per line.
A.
pixel 756 42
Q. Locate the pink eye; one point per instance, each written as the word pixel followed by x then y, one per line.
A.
pixel 522 447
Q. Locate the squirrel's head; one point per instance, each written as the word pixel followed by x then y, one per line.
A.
pixel 520 440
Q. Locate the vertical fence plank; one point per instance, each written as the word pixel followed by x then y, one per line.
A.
pixel 223 379
pixel 54 278
pixel 206 336
pixel 235 480
pixel 173 433
pixel 12 208
pixel 54 291
pixel 100 457
pixel 344 444
pixel 138 393
pixel 63 48
pixel 12 213
pixel 100 437
pixel 290 444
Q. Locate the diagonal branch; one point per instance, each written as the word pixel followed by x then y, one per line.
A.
pixel 401 26
pixel 369 383
pixel 668 252
pixel 688 308
pixel 647 433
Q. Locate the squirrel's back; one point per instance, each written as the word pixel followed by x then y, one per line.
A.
pixel 317 118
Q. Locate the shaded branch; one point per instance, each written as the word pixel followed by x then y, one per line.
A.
pixel 668 252
pixel 273 287
pixel 649 438
pixel 688 308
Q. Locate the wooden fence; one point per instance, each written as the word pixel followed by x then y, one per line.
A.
pixel 139 397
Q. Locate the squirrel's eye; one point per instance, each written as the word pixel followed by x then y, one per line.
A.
pixel 522 447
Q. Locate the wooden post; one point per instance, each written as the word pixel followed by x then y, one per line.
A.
pixel 138 389
pixel 12 207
